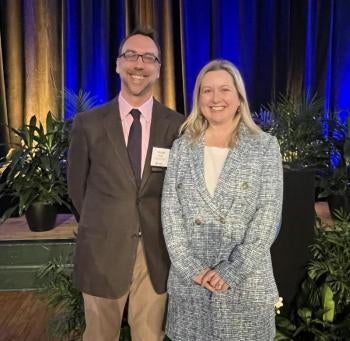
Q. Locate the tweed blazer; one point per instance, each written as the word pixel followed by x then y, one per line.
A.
pixel 112 208
pixel 232 231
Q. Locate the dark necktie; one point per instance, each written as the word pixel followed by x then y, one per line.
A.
pixel 134 144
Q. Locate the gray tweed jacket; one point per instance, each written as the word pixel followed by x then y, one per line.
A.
pixel 232 231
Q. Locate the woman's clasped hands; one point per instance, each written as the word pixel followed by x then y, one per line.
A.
pixel 212 281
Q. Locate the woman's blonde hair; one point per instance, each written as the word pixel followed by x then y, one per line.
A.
pixel 196 124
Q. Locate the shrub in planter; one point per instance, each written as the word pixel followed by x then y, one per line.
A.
pixel 336 183
pixel 36 166
pixel 67 301
pixel 297 122
pixel 321 310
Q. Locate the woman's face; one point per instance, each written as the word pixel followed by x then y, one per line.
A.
pixel 218 97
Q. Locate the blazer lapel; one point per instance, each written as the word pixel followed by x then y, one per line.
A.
pixel 197 173
pixel 221 202
pixel 233 160
pixel 114 130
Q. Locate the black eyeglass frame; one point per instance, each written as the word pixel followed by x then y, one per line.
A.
pixel 137 55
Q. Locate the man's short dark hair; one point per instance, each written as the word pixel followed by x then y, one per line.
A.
pixel 144 31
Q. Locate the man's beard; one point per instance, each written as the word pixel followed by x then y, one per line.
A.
pixel 138 93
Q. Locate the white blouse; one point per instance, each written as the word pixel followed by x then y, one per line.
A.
pixel 214 159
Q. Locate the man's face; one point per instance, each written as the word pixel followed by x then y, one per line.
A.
pixel 138 77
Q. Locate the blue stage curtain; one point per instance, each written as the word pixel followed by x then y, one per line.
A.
pixel 279 46
pixel 339 58
pixel 93 30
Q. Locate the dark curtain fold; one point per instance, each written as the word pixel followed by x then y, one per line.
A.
pixel 338 60
pixel 4 134
pixel 311 30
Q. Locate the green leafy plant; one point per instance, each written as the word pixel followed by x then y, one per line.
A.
pixel 322 307
pixel 337 180
pixel 36 165
pixel 79 102
pixel 60 294
pixel 297 122
pixel 67 301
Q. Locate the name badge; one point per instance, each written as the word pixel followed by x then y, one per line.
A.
pixel 160 157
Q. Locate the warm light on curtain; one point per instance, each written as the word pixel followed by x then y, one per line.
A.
pixel 31 37
pixel 163 17
pixel 12 49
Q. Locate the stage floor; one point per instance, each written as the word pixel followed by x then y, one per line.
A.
pixel 17 229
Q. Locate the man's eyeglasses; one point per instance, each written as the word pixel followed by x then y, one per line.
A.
pixel 147 58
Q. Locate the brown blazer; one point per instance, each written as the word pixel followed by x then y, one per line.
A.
pixel 112 209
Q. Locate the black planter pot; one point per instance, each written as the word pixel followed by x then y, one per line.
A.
pixel 41 216
pixel 290 251
pixel 338 202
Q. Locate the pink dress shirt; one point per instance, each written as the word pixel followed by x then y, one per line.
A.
pixel 145 119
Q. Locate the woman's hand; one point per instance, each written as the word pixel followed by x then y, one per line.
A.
pixel 212 281
pixel 198 278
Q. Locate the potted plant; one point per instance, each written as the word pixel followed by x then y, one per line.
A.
pixel 60 293
pixel 297 122
pixel 321 310
pixel 35 172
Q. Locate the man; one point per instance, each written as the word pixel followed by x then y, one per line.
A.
pixel 117 159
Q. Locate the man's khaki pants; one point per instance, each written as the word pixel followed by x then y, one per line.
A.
pixel 146 309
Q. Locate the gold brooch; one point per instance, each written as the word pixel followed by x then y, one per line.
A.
pixel 244 185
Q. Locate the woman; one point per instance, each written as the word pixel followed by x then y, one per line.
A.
pixel 221 210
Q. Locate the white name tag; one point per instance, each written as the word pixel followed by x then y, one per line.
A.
pixel 160 157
